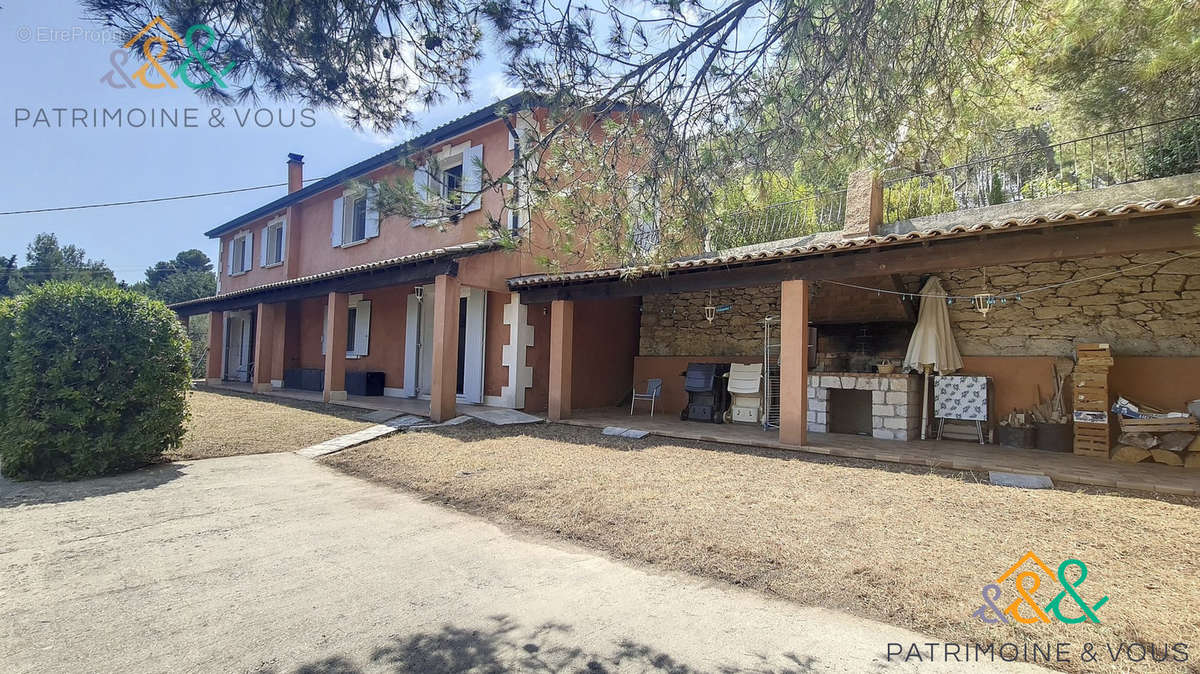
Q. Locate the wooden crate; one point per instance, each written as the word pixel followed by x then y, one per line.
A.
pixel 1090 393
pixel 1093 439
pixel 1164 425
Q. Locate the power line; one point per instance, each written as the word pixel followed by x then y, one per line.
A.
pixel 148 201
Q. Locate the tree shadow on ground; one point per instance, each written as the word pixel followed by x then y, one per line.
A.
pixel 504 646
pixel 14 493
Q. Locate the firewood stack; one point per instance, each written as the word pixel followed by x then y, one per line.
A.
pixel 1173 440
pixel 1093 432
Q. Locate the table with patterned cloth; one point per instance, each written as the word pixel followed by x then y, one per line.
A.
pixel 961 398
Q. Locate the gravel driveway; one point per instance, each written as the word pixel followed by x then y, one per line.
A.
pixel 275 563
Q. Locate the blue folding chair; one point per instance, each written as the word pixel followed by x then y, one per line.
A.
pixel 653 391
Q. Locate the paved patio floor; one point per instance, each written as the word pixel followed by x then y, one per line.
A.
pixel 1064 467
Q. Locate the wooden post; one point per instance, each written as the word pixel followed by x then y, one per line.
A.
pixel 443 396
pixel 562 335
pixel 264 346
pixel 336 316
pixel 216 346
pixel 793 356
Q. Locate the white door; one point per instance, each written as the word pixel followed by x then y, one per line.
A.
pixel 237 347
pixel 425 368
pixel 418 361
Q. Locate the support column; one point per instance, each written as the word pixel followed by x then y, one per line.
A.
pixel 562 337
pixel 264 346
pixel 793 363
pixel 336 315
pixel 442 395
pixel 279 345
pixel 216 346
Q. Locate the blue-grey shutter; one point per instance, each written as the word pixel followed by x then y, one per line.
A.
pixel 372 214
pixel 335 232
pixel 473 177
pixel 421 189
pixel 362 327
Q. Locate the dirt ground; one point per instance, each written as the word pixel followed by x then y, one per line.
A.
pixel 906 545
pixel 274 564
pixel 227 423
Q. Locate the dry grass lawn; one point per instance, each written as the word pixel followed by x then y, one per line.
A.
pixel 907 546
pixel 227 423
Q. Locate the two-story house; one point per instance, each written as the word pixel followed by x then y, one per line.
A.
pixel 318 292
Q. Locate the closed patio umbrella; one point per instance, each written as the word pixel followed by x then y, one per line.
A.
pixel 932 347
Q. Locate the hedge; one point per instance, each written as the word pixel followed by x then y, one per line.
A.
pixel 94 382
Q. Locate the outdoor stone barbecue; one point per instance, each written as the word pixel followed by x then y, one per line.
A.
pixel 895 402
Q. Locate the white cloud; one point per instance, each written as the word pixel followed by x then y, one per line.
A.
pixel 499 87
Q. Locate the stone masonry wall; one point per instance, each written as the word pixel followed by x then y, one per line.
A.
pixel 674 325
pixel 1147 311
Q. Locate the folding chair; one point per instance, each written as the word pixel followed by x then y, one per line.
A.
pixel 745 386
pixel 653 391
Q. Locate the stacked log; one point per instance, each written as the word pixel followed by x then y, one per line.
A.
pixel 1174 441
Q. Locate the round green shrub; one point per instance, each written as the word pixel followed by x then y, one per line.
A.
pixel 95 382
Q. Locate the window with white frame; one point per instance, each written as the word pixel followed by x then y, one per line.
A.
pixel 355 218
pixel 239 253
pixel 354 226
pixel 358 328
pixel 645 213
pixel 452 179
pixel 273 243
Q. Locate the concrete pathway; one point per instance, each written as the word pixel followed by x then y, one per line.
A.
pixel 275 563
pixel 394 425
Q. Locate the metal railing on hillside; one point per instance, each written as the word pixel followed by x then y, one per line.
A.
pixel 823 212
pixel 1129 155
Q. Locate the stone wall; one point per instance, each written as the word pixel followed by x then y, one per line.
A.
pixel 674 325
pixel 1148 311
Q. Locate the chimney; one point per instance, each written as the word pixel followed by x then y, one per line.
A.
pixel 295 165
pixel 864 205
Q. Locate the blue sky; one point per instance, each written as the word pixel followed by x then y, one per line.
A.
pixel 56 59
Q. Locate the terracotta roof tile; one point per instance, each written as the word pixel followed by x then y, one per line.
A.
pixel 824 242
pixel 449 251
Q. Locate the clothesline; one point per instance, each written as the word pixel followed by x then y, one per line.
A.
pixel 1016 295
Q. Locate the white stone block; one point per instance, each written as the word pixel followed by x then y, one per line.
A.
pixel 883 410
pixel 899 384
pixel 817 428
pixel 822 394
pixel 900 411
pixel 831 382
pixel 882 434
pixel 818 405
pixel 897 398
pixel 895 423
pixel 849 382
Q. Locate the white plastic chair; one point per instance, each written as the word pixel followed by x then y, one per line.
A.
pixel 745 387
pixel 653 391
